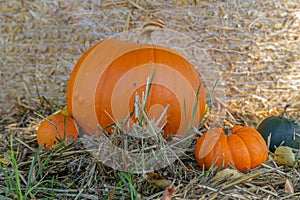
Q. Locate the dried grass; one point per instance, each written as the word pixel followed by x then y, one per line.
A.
pixel 253 45
pixel 77 174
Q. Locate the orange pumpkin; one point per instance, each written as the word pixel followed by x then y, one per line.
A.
pixel 55 128
pixel 106 79
pixel 243 147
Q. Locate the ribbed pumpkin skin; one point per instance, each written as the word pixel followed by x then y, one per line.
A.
pixel 282 129
pixel 61 126
pixel 244 148
pixel 106 79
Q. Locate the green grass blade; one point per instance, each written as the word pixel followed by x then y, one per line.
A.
pixel 8 180
pixel 209 101
pixel 127 181
pixel 34 187
pixel 195 108
pixel 16 171
pixel 52 187
pixel 42 167
pixel 148 88
pixel 33 162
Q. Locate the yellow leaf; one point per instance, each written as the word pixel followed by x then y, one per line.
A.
pixel 227 174
pixel 288 187
pixel 64 111
pixel 158 180
pixel 4 161
pixel 285 156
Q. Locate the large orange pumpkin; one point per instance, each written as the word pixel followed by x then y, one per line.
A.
pixel 105 80
pixel 55 128
pixel 243 147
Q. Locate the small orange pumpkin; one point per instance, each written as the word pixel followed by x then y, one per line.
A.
pixel 105 80
pixel 243 147
pixel 55 128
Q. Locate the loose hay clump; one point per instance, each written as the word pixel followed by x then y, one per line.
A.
pixel 72 172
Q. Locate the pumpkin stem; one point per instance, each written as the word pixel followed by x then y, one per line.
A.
pixel 283 114
pixel 227 130
pixel 148 29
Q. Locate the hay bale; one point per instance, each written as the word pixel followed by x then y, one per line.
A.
pixel 253 44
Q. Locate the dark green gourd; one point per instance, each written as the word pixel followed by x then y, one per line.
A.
pixel 283 131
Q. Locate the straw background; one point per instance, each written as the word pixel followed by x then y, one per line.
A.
pixel 254 44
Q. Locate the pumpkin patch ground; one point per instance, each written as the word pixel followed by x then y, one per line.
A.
pixel 250 47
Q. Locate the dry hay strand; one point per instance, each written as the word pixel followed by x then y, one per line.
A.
pixel 71 171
